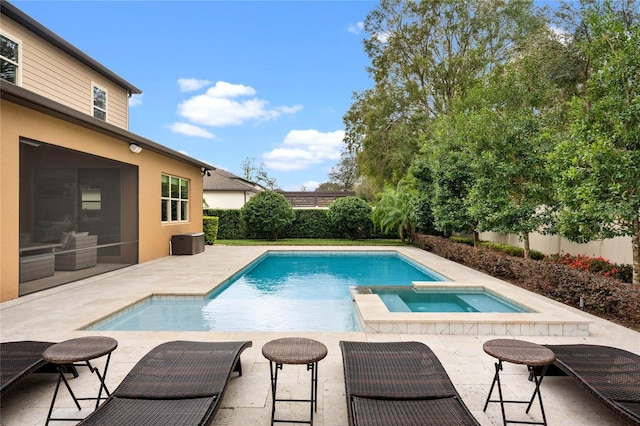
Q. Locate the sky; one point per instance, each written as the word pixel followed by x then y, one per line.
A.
pixel 227 81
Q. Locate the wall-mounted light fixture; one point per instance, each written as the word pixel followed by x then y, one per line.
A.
pixel 205 171
pixel 136 149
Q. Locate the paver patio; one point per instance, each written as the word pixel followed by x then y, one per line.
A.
pixel 59 313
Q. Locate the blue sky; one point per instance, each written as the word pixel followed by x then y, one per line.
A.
pixel 226 80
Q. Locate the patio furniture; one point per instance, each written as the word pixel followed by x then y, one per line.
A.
pixel 19 359
pixel 36 260
pixel 612 375
pixel 176 383
pixel 399 383
pixel 79 352
pixel 294 350
pixel 79 252
pixel 519 352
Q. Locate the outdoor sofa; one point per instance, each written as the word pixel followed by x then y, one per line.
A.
pixel 19 359
pixel 176 383
pixel 399 384
pixel 610 374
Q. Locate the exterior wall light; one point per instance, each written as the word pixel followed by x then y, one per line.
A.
pixel 136 149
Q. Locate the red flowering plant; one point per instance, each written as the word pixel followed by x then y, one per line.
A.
pixel 597 265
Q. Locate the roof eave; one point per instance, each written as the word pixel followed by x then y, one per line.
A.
pixel 21 96
pixel 40 30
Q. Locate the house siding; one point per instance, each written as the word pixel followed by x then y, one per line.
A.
pixel 48 71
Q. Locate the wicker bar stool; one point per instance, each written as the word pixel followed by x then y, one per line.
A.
pixel 294 350
pixel 78 352
pixel 519 352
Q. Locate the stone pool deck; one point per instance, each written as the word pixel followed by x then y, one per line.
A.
pixel 60 313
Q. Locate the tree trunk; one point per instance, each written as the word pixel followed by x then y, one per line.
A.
pixel 635 245
pixel 476 238
pixel 527 247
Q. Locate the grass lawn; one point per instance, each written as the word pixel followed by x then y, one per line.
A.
pixel 312 242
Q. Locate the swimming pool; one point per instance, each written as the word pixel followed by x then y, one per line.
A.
pixel 279 291
pixel 452 300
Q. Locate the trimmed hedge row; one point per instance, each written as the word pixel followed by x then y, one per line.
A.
pixel 603 296
pixel 308 223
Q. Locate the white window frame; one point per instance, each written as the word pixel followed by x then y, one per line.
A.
pixel 20 55
pixel 182 201
pixel 94 86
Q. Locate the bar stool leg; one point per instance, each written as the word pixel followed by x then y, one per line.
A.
pixel 538 381
pixel 101 378
pixel 273 370
pixel 313 366
pixel 496 379
pixel 61 378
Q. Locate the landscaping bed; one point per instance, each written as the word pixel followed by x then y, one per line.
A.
pixel 602 296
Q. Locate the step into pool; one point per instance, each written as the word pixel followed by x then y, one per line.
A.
pixel 414 300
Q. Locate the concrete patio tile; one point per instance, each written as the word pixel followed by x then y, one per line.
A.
pixel 60 313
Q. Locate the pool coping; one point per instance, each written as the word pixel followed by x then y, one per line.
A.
pixel 548 319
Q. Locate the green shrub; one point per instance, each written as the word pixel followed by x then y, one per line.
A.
pixel 210 228
pixel 310 223
pixel 602 295
pixel 463 240
pixel 351 216
pixel 229 224
pixel 266 214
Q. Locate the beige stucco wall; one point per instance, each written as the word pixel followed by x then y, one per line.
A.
pixel 154 237
pixel 616 250
pixel 226 200
pixel 49 72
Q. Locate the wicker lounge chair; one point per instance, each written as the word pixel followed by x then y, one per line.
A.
pixel 399 383
pixel 176 383
pixel 19 359
pixel 612 375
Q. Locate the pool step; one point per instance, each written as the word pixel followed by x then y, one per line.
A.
pixel 394 303
pixel 484 304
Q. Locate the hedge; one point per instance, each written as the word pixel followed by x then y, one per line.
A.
pixel 603 296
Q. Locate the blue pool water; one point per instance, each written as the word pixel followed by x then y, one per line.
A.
pixel 411 300
pixel 280 291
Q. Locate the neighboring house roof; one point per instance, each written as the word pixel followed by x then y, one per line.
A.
pixel 222 180
pixel 32 25
pixel 21 96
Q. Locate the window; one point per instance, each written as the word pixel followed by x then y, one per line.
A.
pixel 175 199
pixel 9 59
pixel 99 103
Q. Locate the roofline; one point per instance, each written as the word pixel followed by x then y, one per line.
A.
pixel 40 30
pixel 21 96
pixel 231 190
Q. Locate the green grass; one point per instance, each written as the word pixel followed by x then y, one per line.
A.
pixel 311 242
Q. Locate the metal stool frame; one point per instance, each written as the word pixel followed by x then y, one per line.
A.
pixel 62 378
pixel 537 379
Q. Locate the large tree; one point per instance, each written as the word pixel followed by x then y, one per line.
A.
pixel 423 55
pixel 597 168
pixel 345 173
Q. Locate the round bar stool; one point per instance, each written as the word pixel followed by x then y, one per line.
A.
pixel 294 350
pixel 78 352
pixel 519 352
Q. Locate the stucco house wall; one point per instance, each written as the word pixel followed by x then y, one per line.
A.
pixel 49 108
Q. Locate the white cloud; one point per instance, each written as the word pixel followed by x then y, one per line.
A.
pixel 191 84
pixel 135 100
pixel 310 185
pixel 303 148
pixel 190 130
pixel 383 37
pixel 222 89
pixel 218 106
pixel 356 28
